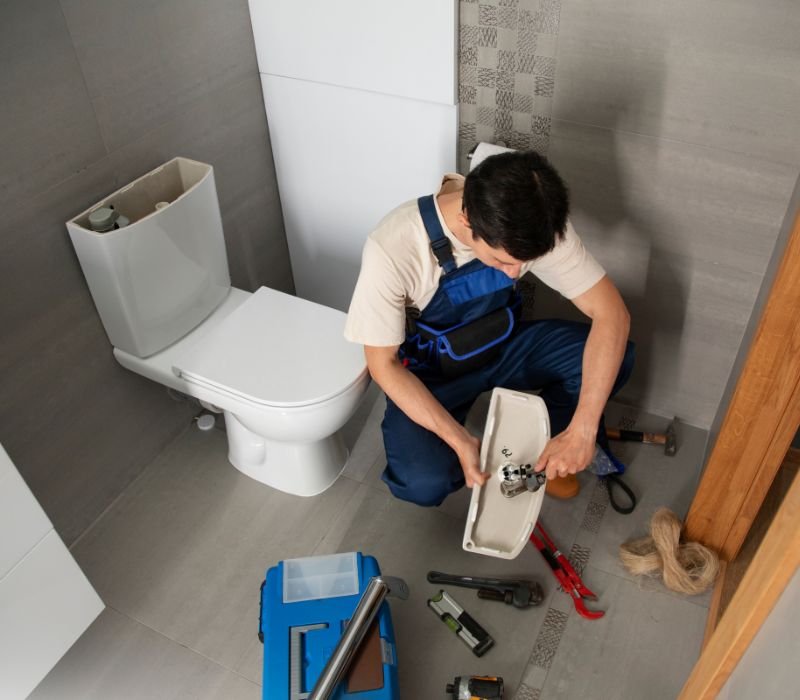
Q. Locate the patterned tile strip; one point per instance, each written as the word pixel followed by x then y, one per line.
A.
pixel 546 645
pixel 525 692
pixel 579 557
pixel 596 508
pixel 506 72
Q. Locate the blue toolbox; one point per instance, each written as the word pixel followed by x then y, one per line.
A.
pixel 305 606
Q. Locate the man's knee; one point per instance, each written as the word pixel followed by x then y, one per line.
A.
pixel 429 487
pixel 421 468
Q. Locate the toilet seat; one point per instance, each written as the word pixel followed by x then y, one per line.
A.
pixel 276 350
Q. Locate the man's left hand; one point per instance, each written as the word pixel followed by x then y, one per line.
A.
pixel 567 453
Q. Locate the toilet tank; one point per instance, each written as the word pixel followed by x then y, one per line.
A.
pixel 157 278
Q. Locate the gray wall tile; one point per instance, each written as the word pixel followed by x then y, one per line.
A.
pixel 686 233
pixel 147 62
pixel 227 128
pixel 47 127
pixel 78 426
pixel 677 134
pixel 720 74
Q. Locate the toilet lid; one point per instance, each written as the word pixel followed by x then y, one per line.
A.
pixel 277 350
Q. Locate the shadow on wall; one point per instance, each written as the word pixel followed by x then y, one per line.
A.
pixel 620 223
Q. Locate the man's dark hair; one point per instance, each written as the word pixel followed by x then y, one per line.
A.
pixel 518 202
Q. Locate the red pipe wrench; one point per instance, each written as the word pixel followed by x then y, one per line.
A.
pixel 566 575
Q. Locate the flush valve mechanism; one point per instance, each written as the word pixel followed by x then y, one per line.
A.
pixel 519 478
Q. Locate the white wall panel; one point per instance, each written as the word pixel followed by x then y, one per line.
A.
pixel 23 523
pixel 344 159
pixel 399 48
pixel 45 605
pixel 45 600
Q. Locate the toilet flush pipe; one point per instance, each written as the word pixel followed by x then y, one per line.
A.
pixel 366 610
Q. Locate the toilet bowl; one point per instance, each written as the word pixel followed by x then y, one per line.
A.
pixel 284 397
pixel 277 366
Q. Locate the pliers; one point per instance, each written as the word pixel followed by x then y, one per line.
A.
pixel 566 575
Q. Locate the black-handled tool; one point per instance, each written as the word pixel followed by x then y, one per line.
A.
pixel 517 592
pixel 476 688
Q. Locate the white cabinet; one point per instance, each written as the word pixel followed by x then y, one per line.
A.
pixel 360 97
pixel 340 173
pixel 46 602
pixel 403 48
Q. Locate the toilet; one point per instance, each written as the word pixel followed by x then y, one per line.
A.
pixel 276 366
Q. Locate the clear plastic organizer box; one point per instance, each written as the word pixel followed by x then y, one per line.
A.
pixel 312 578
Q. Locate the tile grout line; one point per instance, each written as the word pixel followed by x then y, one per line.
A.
pixel 668 139
pixel 341 512
pixel 665 593
pixel 579 556
pixel 179 643
pixel 124 491
pixel 549 637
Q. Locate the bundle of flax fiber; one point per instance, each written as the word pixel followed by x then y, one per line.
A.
pixel 688 568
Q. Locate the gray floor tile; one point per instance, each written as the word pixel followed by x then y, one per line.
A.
pixel 251 665
pixel 122 659
pixel 408 541
pixel 645 646
pixel 657 480
pixel 363 435
pixel 185 549
pixel 563 518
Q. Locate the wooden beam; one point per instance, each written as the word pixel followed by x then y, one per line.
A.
pixel 731 573
pixel 773 567
pixel 761 420
pixel 716 601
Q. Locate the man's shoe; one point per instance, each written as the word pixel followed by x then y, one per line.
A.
pixel 563 487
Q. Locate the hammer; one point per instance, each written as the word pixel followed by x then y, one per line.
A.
pixel 667 438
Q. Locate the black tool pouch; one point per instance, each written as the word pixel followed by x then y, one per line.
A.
pixel 466 347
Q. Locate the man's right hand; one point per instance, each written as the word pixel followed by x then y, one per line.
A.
pixel 469 456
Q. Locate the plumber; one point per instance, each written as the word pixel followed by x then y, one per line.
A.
pixel 437 310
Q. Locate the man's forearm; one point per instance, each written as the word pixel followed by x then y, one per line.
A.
pixel 602 357
pixel 413 398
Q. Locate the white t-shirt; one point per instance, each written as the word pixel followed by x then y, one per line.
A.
pixel 399 269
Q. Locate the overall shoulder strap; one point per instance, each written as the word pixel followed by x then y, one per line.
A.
pixel 439 244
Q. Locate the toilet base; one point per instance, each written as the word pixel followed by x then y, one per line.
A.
pixel 299 468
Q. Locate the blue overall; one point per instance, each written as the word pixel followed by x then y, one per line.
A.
pixel 544 355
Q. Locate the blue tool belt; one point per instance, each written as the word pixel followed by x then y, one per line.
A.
pixel 462 348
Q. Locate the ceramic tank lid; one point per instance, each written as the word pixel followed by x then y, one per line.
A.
pixel 277 350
